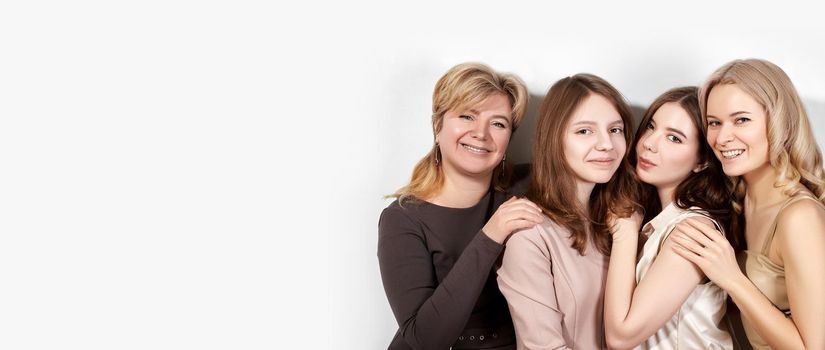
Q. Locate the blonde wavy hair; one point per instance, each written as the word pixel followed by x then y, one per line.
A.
pixel 462 87
pixel 792 148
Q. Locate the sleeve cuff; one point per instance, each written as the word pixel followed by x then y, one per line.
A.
pixel 488 243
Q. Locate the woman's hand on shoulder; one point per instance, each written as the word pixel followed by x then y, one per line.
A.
pixel 698 241
pixel 625 227
pixel 513 215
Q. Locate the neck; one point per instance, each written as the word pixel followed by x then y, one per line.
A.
pixel 665 195
pixel 761 190
pixel 583 192
pixel 461 191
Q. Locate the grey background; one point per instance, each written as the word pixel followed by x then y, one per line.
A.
pixel 209 175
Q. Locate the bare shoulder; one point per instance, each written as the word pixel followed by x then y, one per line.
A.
pixel 801 225
pixel 803 214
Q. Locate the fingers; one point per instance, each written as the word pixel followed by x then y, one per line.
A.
pixel 686 247
pixel 708 231
pixel 520 209
pixel 520 201
pixel 521 204
pixel 530 216
pixel 518 224
pixel 684 229
pixel 525 214
pixel 687 243
pixel 512 215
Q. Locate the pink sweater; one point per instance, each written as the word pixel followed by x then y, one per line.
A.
pixel 555 295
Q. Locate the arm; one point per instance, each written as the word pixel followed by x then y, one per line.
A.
pixel 634 312
pixel 526 280
pixel 801 243
pixel 432 315
pixel 429 315
pixel 800 240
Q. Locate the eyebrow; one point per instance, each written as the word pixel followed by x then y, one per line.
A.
pixel 587 122
pixel 677 131
pixel 473 111
pixel 673 130
pixel 732 114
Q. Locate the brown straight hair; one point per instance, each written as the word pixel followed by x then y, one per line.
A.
pixel 552 184
pixel 709 189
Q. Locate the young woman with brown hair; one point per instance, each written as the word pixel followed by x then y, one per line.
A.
pixel 553 274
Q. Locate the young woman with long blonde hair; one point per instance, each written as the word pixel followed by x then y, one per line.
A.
pixel 759 130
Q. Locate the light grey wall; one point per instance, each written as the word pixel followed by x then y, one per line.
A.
pixel 184 174
pixel 640 51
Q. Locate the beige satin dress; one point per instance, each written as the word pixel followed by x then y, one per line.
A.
pixel 767 276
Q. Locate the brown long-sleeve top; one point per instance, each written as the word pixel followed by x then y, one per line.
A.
pixel 438 272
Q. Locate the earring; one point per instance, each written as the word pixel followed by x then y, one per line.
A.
pixel 502 162
pixel 436 151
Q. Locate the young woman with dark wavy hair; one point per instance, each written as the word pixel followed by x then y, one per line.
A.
pixel 662 300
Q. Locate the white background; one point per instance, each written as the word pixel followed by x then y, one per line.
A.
pixel 209 174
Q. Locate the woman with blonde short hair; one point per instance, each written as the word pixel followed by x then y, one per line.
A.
pixel 439 241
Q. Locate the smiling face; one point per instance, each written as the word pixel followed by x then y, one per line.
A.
pixel 473 142
pixel 737 130
pixel 594 142
pixel 668 150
